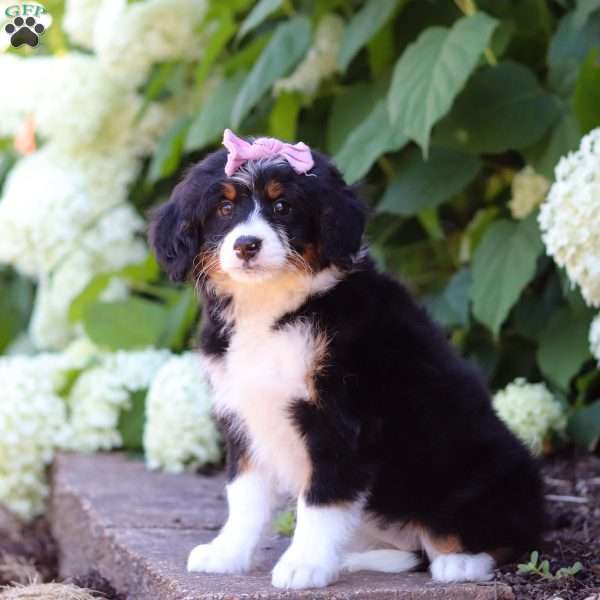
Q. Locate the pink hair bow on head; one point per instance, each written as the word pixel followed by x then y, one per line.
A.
pixel 297 155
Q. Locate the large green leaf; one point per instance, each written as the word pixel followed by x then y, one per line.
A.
pixel 126 324
pixel 369 140
pixel 363 26
pixel 584 426
pixel 215 114
pixel 562 137
pixel 451 306
pixel 132 421
pixel 421 184
pixel 16 296
pixel 351 106
pixel 285 49
pixel 564 346
pixel 586 99
pixel 502 108
pixel 432 71
pixel 503 264
pixel 568 48
pixel 262 9
pixel 167 157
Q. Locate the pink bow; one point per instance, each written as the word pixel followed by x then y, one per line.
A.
pixel 297 155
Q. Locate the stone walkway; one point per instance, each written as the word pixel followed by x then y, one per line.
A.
pixel 136 528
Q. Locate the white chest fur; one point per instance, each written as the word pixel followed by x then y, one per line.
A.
pixel 264 371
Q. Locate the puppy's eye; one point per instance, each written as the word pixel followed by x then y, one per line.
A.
pixel 225 208
pixel 281 208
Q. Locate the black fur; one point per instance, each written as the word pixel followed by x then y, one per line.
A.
pixel 399 417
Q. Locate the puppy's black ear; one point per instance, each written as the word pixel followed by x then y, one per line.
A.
pixel 174 238
pixel 342 223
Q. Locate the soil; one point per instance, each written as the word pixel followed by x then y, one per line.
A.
pixel 573 533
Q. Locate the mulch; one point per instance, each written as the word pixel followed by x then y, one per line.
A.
pixel 573 534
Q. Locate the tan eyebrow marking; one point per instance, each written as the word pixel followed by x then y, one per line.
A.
pixel 274 189
pixel 229 191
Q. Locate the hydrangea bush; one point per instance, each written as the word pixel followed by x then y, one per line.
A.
pixel 477 145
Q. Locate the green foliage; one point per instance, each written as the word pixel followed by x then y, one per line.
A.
pixel 502 266
pixel 284 51
pixel 421 184
pixel 131 421
pixel 435 106
pixel 285 523
pixel 542 569
pixel 432 71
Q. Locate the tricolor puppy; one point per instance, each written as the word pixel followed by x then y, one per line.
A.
pixel 333 385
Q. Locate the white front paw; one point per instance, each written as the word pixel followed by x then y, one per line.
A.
pixel 462 567
pixel 295 574
pixel 218 557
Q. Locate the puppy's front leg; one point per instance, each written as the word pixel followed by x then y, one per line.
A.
pixel 315 554
pixel 250 499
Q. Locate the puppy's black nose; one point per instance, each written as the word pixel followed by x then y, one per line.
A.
pixel 247 246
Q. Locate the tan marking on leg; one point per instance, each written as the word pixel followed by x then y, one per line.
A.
pixel 435 545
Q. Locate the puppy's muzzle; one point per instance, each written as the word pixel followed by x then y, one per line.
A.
pixel 247 247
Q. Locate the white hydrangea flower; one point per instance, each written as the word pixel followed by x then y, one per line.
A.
pixel 530 411
pixel 32 424
pixel 570 217
pixel 180 432
pixel 595 337
pixel 102 392
pixel 148 32
pixel 29 78
pixel 78 21
pixel 320 61
pixel 528 191
pixel 112 244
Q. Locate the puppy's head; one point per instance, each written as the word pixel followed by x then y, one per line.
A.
pixel 263 220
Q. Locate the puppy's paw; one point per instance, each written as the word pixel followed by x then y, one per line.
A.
pixel 300 574
pixel 218 557
pixel 462 567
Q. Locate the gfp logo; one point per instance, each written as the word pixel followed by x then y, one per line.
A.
pixel 25 26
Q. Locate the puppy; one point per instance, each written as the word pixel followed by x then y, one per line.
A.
pixel 332 385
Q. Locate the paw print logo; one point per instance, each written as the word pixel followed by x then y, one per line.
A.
pixel 24 31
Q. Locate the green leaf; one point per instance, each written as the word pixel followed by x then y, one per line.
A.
pixel 217 41
pixel 502 108
pixel 450 308
pixel 283 120
pixel 16 298
pixel 351 106
pixel 563 137
pixel 167 157
pixel 215 114
pixel 262 9
pixel 583 11
pixel 369 140
pixel 432 71
pixel 243 59
pixel 182 313
pixel 586 100
pixel 145 271
pixel 584 426
pixel 285 523
pixel 568 49
pixel 421 184
pixel 563 346
pixel 362 27
pixel 503 264
pixel 132 421
pixel 90 293
pixel 126 324
pixel 287 46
